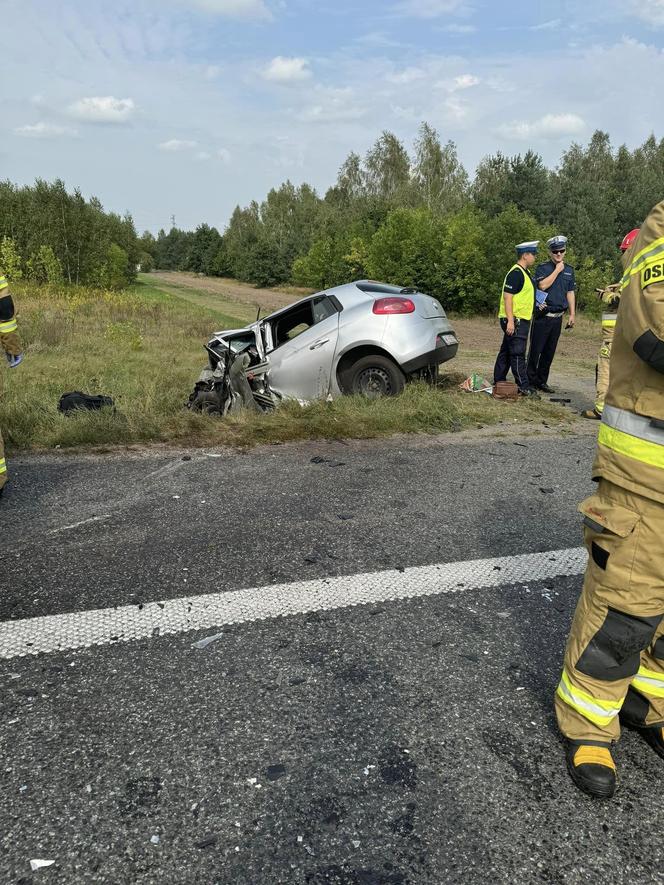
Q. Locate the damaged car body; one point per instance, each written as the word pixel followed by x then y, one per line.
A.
pixel 360 338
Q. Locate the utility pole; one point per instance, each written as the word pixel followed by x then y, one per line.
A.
pixel 172 221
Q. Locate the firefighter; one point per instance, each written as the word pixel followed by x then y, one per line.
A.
pixel 610 298
pixel 11 345
pixel 614 661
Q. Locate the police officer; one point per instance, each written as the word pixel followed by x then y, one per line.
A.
pixel 610 297
pixel 516 309
pixel 12 347
pixel 555 280
pixel 614 661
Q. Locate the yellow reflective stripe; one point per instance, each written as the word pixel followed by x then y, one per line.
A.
pixel 597 711
pixel 3 465
pixel 609 319
pixel 639 260
pixel 9 326
pixel 3 283
pixel 649 682
pixel 631 446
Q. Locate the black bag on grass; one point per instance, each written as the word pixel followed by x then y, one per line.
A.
pixel 70 402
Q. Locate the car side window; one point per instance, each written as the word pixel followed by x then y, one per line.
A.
pixel 323 307
pixel 292 323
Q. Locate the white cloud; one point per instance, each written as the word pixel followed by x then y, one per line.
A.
pixel 408 75
pixel 44 130
pixel 212 72
pixel 466 81
pixel 203 155
pixel 224 155
pixel 332 106
pixel 242 9
pixel 458 83
pixel 287 70
pixel 429 8
pixel 103 109
pixel 549 126
pixel 176 144
pixel 650 11
pixel 548 26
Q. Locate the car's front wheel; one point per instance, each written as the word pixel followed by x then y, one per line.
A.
pixel 375 376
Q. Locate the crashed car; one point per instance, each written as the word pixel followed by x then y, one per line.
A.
pixel 360 338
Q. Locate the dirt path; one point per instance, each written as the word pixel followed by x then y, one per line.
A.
pixel 229 290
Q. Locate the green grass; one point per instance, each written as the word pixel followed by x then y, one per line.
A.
pixel 144 348
pixel 217 303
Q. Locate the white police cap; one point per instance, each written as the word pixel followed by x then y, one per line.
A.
pixel 557 242
pixel 528 247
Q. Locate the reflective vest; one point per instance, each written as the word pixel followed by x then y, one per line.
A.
pixel 630 451
pixel 523 303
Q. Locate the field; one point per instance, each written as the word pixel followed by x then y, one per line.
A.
pixel 144 348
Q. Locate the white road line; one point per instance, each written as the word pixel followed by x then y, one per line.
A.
pixel 83 629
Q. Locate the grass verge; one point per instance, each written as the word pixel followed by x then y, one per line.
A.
pixel 143 347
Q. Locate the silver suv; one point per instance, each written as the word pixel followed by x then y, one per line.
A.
pixel 363 337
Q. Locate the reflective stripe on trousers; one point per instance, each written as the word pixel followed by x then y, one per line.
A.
pixel 9 326
pixel 650 683
pixel 609 320
pixel 3 465
pixel 597 711
pixel 632 435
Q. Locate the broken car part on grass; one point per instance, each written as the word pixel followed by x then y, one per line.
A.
pixel 364 338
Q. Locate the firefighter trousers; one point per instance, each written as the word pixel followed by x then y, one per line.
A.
pixel 603 360
pixel 615 649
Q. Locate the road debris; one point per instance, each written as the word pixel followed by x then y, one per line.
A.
pixel 155 839
pixel 274 772
pixel 38 864
pixel 203 643
pixel 207 841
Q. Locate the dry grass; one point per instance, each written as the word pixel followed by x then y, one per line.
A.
pixel 144 348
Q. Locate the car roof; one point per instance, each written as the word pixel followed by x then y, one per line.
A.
pixel 368 287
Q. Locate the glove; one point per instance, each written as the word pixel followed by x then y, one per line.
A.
pixel 14 360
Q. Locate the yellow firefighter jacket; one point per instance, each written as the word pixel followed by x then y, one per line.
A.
pixel 9 339
pixel 630 450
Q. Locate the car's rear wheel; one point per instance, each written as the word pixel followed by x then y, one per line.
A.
pixel 374 376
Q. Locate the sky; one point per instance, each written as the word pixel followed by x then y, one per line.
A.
pixel 187 108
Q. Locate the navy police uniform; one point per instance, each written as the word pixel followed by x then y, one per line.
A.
pixel 548 318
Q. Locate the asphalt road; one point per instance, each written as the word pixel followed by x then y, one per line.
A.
pixel 392 743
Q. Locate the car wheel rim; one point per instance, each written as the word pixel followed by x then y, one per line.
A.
pixel 374 382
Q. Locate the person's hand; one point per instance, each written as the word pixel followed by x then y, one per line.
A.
pixel 570 323
pixel 559 261
pixel 14 359
pixel 510 327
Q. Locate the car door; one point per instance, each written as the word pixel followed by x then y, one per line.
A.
pixel 301 366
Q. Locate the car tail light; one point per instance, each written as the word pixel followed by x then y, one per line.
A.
pixel 393 305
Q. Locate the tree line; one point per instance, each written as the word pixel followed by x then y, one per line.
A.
pixel 420 220
pixel 50 235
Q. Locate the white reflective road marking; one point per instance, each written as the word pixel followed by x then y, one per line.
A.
pixel 83 629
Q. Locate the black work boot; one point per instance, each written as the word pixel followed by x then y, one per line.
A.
pixel 592 769
pixel 633 715
pixel 546 389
